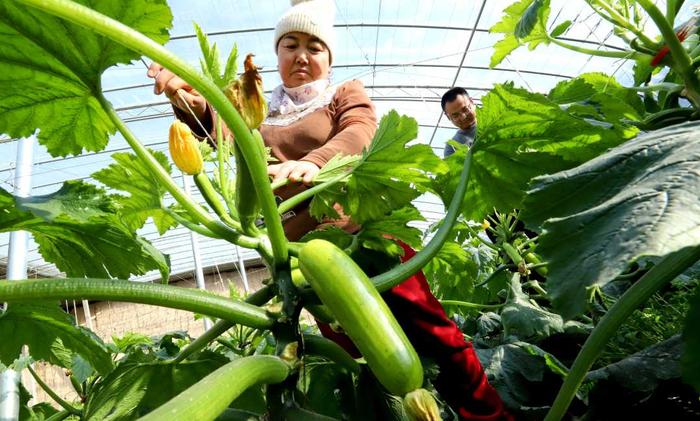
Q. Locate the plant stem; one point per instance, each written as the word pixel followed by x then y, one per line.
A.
pixel 492 275
pixel 193 208
pixel 207 189
pixel 672 8
pixel 257 298
pixel 210 396
pixel 65 405
pixel 190 299
pixel 664 272
pixel 599 53
pixel 471 305
pixel 665 86
pixel 140 43
pixel 619 20
pixel 191 225
pixel 306 194
pixel 59 416
pixel 401 272
pixel 479 238
pixel 681 59
pixel 279 183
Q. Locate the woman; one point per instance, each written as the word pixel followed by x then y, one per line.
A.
pixel 310 122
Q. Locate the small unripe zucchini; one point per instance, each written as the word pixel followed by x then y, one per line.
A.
pixel 247 203
pixel 209 397
pixel 354 301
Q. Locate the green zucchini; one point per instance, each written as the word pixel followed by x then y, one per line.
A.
pixel 347 291
pixel 247 203
pixel 319 311
pixel 209 397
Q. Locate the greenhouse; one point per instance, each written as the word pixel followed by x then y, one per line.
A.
pixel 349 210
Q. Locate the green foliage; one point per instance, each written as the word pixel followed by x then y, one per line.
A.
pixel 77 228
pixel 389 172
pixel 319 385
pixel 659 319
pixel 52 72
pixel 128 173
pixel 395 224
pixel 211 64
pixel 524 318
pixel 512 368
pixel 599 97
pixel 452 273
pixel 639 199
pixel 524 22
pixel 522 135
pixel 690 362
pixel 49 333
pixel 136 388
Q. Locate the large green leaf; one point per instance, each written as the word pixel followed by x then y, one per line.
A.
pixel 522 135
pixel 512 369
pixel 525 319
pixel 639 199
pixel 373 233
pixel 600 97
pixel 390 173
pixel 51 336
pixel 136 389
pixel 523 22
pixel 78 230
pixel 51 71
pixel 690 360
pixel 129 174
pixel 452 272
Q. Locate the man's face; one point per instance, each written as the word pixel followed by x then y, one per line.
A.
pixel 461 112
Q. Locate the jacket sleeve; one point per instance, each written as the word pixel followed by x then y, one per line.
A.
pixel 354 124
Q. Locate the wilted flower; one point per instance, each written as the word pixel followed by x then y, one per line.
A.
pixel 184 149
pixel 246 94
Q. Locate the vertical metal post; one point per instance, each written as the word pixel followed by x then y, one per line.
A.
pixel 241 269
pixel 17 269
pixel 9 395
pixel 88 315
pixel 194 240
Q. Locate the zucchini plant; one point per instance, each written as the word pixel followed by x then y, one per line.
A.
pixel 582 137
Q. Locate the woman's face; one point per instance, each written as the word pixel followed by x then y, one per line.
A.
pixel 302 58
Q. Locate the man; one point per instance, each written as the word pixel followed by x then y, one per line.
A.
pixel 461 111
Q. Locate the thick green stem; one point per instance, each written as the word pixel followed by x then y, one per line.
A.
pixel 191 225
pixel 600 53
pixel 401 272
pixel 615 18
pixel 193 208
pixel 682 62
pixel 257 298
pixel 209 397
pixel 59 416
pixel 279 183
pixel 207 189
pixel 65 405
pixel 672 8
pixel 295 200
pixel 190 299
pixel 140 43
pixel 471 305
pixel 664 272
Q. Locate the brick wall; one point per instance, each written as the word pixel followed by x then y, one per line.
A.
pixel 115 319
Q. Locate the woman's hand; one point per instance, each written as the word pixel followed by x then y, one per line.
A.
pixel 295 171
pixel 179 92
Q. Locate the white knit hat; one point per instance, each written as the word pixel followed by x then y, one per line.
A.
pixel 313 17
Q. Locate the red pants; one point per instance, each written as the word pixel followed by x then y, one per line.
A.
pixel 462 382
